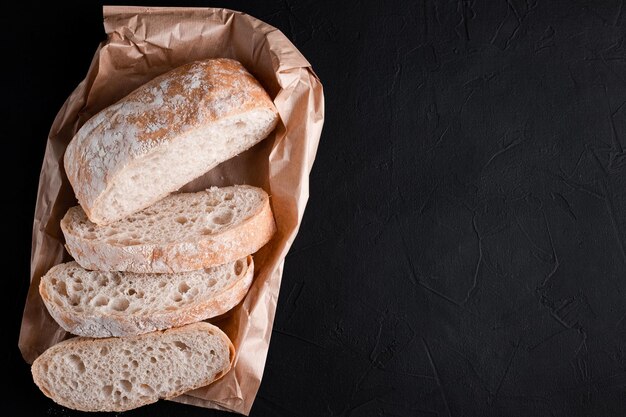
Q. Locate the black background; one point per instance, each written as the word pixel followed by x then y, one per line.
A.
pixel 463 252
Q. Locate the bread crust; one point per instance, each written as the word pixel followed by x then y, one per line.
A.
pixel 129 324
pixel 234 243
pixel 38 368
pixel 157 113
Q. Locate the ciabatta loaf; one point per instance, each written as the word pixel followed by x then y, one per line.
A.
pixel 182 232
pixel 105 304
pixel 164 134
pixel 118 374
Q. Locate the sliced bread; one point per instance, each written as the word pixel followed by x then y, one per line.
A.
pixel 119 374
pixel 164 134
pixel 105 304
pixel 182 232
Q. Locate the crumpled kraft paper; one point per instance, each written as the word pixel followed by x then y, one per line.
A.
pixel 142 43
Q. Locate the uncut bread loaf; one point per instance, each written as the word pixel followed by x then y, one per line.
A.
pixel 164 134
pixel 183 232
pixel 119 374
pixel 105 304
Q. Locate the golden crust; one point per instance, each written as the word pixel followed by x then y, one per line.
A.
pixel 157 113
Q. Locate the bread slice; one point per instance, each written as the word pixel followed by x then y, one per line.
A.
pixel 105 304
pixel 119 374
pixel 183 232
pixel 164 134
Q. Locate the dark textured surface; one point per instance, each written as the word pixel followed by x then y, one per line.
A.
pixel 463 252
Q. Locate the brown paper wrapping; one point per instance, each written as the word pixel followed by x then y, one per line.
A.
pixel 141 44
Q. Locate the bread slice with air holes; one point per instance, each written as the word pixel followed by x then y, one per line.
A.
pixel 183 232
pixel 105 304
pixel 164 134
pixel 119 374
